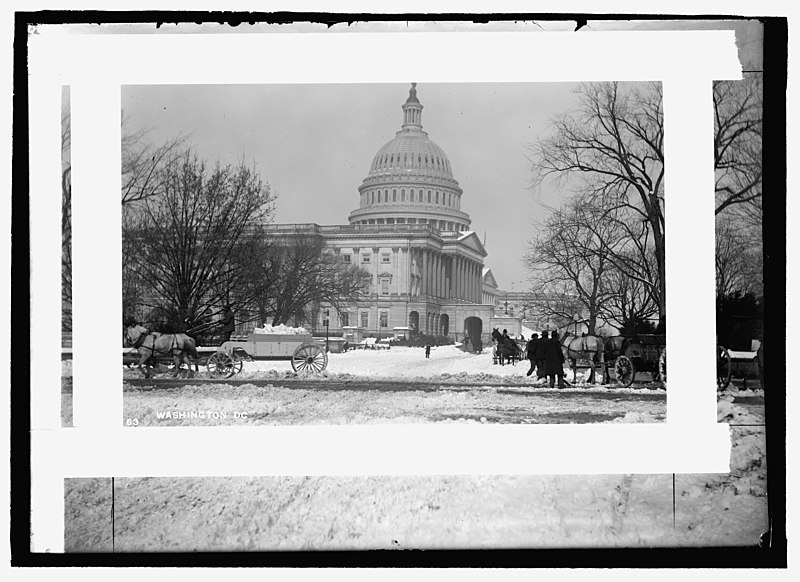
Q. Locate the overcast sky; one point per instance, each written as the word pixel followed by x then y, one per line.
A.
pixel 314 145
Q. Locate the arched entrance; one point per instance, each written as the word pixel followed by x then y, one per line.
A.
pixel 444 325
pixel 413 321
pixel 473 328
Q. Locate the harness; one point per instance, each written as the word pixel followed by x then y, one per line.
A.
pixel 141 340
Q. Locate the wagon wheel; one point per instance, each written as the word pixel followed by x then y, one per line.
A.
pixel 309 357
pixel 723 368
pixel 222 365
pixel 238 362
pixel 662 367
pixel 625 371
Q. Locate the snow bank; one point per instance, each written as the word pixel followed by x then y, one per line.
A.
pixel 280 329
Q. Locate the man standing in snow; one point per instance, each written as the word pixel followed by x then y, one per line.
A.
pixel 540 354
pixel 530 349
pixel 427 351
pixel 554 360
pixel 228 323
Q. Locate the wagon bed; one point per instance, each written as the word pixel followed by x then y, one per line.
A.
pixel 305 354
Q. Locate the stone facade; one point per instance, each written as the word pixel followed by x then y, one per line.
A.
pixel 410 234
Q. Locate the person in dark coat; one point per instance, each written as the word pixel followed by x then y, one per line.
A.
pixel 554 361
pixel 540 354
pixel 427 351
pixel 228 322
pixel 530 349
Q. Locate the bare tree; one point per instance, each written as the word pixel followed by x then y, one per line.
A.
pixel 629 300
pixel 144 163
pixel 569 262
pixel 738 262
pixel 738 115
pixel 180 241
pixel 305 275
pixel 612 144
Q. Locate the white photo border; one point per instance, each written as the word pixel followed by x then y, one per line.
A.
pixel 96 66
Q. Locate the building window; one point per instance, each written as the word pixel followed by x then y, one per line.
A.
pixel 394 195
pixel 386 258
pixel 384 319
pixel 437 198
pixel 366 258
pixel 429 196
pixel 346 258
pixel 402 195
pixel 385 286
pixel 345 317
pixel 412 196
pixel 365 319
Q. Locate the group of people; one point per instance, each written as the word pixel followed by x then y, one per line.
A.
pixel 546 357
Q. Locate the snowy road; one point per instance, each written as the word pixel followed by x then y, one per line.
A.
pixel 425 511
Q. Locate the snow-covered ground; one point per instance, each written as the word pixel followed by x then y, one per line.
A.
pixel 446 364
pixel 444 511
pixel 438 511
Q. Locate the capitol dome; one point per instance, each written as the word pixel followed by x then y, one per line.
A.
pixel 410 180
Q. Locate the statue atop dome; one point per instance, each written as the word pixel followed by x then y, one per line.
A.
pixel 412 94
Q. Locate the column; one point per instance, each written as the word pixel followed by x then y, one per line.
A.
pixel 474 282
pixel 434 280
pixel 396 282
pixel 439 282
pixel 467 281
pixel 462 279
pixel 424 272
pixel 455 277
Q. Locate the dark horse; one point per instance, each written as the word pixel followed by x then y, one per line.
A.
pixel 178 345
pixel 587 347
pixel 506 347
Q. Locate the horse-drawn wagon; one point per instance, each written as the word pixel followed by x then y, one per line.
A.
pixel 648 353
pixel 305 354
pixel 227 359
pixel 638 353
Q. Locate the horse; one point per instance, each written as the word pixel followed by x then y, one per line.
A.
pixel 587 347
pixel 505 347
pixel 179 345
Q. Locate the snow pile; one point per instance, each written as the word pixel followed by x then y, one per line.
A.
pixel 635 417
pixel 280 329
pixel 732 414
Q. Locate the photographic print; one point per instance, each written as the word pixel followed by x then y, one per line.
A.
pixel 455 260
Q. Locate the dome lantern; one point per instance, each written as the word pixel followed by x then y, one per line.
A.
pixel 412 110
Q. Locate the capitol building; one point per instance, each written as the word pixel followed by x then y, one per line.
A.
pixel 410 233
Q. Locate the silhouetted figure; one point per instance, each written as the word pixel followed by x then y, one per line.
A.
pixel 228 323
pixel 530 351
pixel 554 361
pixel 540 354
pixel 427 351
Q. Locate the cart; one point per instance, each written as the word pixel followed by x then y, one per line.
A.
pixel 305 354
pixel 641 353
